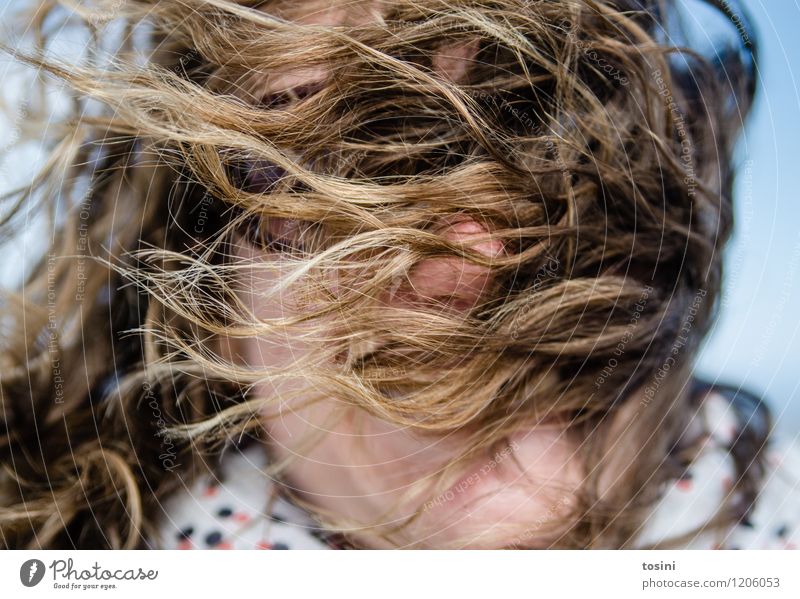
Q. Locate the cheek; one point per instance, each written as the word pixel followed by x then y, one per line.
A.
pixel 290 346
pixel 279 345
pixel 453 62
pixel 259 294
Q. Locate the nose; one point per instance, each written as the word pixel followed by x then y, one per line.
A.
pixel 454 282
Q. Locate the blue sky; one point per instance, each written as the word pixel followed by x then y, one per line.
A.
pixel 756 342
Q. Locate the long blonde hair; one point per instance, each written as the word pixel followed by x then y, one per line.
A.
pixel 599 155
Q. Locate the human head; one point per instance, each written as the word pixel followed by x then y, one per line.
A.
pixel 318 159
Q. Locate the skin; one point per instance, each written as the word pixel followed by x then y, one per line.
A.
pixel 363 469
pixel 373 473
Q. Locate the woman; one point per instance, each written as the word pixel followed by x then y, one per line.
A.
pixel 408 274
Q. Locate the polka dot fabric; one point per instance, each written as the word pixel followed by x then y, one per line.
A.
pixel 241 511
pixel 692 500
pixel 238 511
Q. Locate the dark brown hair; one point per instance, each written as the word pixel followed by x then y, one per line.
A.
pixel 583 134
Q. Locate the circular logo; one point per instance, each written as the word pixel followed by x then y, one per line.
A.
pixel 31 572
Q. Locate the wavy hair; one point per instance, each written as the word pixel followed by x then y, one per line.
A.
pixel 583 134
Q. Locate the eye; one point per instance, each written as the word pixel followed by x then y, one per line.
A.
pixel 283 98
pixel 275 234
pixel 255 176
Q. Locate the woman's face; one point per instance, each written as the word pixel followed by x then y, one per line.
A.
pixel 373 473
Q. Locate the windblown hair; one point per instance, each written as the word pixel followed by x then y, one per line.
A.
pixel 583 134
